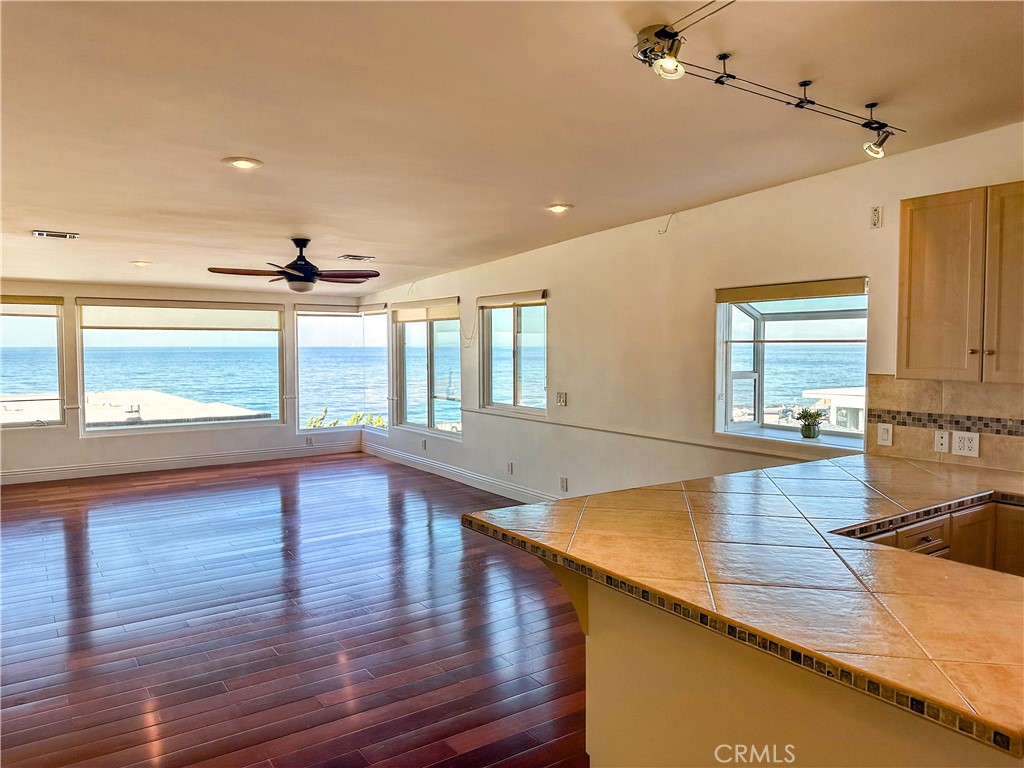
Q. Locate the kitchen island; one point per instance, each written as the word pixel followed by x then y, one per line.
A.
pixel 745 618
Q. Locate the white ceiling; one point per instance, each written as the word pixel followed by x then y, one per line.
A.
pixel 431 135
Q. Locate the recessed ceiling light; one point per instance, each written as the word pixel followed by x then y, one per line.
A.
pixel 242 163
pixel 141 263
pixel 559 207
pixel 354 257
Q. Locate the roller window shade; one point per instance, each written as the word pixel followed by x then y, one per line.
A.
pixel 847 286
pixel 326 309
pixel 512 299
pixel 373 309
pixel 31 306
pixel 181 318
pixel 431 309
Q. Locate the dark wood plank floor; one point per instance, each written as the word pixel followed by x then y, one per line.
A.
pixel 314 612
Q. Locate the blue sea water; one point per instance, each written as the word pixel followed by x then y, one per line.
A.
pixel 351 379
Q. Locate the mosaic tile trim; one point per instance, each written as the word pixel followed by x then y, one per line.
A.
pixel 860 530
pixel 971 726
pixel 985 425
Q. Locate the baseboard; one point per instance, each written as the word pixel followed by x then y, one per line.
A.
pixel 71 472
pixel 483 482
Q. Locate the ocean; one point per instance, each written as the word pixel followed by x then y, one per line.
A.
pixel 346 380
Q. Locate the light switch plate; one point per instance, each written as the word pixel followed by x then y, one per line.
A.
pixel 885 434
pixel 941 441
pixel 966 444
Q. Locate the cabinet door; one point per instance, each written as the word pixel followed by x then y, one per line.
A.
pixel 972 536
pixel 1004 285
pixel 1010 539
pixel 942 286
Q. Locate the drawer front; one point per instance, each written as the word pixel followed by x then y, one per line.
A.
pixel 888 538
pixel 926 537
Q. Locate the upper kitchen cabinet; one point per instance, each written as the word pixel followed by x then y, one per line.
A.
pixel 961 277
pixel 1003 361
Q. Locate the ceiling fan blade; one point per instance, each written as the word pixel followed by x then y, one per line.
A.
pixel 342 279
pixel 286 269
pixel 230 271
pixel 275 279
pixel 353 273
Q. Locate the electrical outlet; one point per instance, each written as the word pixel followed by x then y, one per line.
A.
pixel 309 440
pixel 424 443
pixel 885 434
pixel 876 217
pixel 561 398
pixel 941 441
pixel 508 467
pixel 966 444
pixel 563 484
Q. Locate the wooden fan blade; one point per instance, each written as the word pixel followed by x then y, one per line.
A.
pixel 274 280
pixel 342 279
pixel 286 269
pixel 230 271
pixel 353 273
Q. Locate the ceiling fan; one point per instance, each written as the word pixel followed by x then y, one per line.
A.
pixel 302 275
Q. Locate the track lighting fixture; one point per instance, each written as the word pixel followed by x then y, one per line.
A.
pixel 874 148
pixel 658 47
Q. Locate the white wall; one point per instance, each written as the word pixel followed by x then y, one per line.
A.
pixel 631 319
pixel 631 337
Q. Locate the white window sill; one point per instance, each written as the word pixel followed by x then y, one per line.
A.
pixel 444 434
pixel 852 442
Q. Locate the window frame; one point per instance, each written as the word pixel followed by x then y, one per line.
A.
pixel 99 432
pixel 311 311
pixel 726 376
pixel 400 378
pixel 486 383
pixel 58 318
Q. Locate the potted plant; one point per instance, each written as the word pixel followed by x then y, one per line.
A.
pixel 810 421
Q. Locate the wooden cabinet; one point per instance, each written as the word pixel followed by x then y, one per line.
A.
pixel 972 536
pixel 925 537
pixel 1009 555
pixel 1003 348
pixel 961 315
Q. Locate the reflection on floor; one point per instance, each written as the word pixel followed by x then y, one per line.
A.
pixel 311 612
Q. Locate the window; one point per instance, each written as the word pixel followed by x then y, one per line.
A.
pixel 343 369
pixel 514 332
pixel 429 381
pixel 147 364
pixel 30 370
pixel 779 355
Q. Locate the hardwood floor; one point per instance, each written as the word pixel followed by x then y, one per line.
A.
pixel 324 612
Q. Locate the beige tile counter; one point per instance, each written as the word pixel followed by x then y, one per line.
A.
pixel 753 556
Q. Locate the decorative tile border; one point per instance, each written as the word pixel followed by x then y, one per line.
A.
pixel 949 717
pixel 861 530
pixel 986 425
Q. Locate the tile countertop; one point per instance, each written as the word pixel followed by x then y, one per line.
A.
pixel 751 556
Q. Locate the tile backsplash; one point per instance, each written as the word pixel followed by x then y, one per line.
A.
pixel 917 408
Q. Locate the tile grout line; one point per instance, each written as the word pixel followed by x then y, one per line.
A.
pixel 700 553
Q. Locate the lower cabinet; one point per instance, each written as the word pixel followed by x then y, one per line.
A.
pixel 1009 550
pixel 987 536
pixel 972 536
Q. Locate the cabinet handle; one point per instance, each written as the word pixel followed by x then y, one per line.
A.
pixel 990 351
pixel 926 539
pixel 972 351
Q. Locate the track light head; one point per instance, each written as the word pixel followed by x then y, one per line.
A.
pixel 874 148
pixel 658 47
